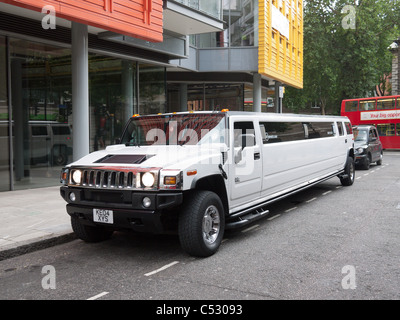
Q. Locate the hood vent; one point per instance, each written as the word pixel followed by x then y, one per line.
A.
pixel 124 158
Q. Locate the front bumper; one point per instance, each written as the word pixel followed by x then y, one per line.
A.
pixel 127 206
pixel 360 159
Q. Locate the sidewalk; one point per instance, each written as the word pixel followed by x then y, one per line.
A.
pixel 32 219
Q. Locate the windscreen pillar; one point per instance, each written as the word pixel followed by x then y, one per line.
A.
pixel 80 90
pixel 257 92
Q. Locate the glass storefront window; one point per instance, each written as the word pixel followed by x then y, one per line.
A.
pixel 112 98
pixel 41 95
pixel 4 123
pixel 151 89
pixel 41 112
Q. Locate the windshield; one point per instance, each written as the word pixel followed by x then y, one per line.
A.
pixel 175 129
pixel 360 135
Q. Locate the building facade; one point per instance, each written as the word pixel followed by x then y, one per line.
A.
pixel 73 71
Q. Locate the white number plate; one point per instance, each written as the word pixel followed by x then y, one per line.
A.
pixel 103 215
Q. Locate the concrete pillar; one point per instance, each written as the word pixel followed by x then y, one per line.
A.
pixel 183 96
pixel 21 146
pixel 80 90
pixel 257 92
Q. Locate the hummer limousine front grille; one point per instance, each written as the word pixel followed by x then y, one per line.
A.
pixel 108 179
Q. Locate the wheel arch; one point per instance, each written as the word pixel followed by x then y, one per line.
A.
pixel 216 184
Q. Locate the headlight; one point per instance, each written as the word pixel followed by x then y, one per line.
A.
pixel 76 176
pixel 360 150
pixel 148 179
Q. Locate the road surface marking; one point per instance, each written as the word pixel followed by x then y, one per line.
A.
pixel 308 201
pixel 275 216
pixel 291 209
pixel 358 178
pixel 161 269
pixel 328 192
pixel 98 295
pixel 251 228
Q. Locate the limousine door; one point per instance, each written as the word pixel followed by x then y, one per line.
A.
pixel 246 169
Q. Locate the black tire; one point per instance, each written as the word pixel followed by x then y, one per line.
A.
pixel 379 162
pixel 201 223
pixel 349 173
pixel 367 162
pixel 90 233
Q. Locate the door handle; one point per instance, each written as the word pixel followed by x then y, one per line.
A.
pixel 257 156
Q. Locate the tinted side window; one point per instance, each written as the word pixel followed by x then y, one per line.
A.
pixel 273 132
pixel 349 129
pixel 242 128
pixel 39 130
pixel 61 130
pixel 340 128
pixel 320 130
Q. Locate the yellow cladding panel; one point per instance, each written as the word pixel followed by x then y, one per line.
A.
pixel 280 41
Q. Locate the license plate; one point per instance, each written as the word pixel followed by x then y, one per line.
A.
pixel 103 215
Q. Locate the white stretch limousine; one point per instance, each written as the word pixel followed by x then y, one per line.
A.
pixel 199 173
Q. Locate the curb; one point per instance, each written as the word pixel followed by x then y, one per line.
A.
pixel 36 245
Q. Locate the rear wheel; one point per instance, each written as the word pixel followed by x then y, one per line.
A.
pixel 90 233
pixel 347 179
pixel 201 223
pixel 379 162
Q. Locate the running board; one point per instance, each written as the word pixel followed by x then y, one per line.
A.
pixel 246 218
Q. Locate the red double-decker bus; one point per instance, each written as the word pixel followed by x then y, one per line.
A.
pixel 382 112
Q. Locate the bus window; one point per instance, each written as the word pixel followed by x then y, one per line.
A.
pixel 351 106
pixel 367 105
pixel 398 129
pixel 386 129
pixel 398 103
pixel 384 104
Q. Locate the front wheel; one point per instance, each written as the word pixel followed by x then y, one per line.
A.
pixel 201 223
pixel 90 233
pixel 349 173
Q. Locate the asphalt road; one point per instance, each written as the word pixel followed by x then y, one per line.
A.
pixel 329 242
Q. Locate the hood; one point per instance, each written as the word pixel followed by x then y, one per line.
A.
pixel 358 144
pixel 161 156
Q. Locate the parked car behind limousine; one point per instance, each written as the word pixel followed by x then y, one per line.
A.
pixel 199 173
pixel 367 145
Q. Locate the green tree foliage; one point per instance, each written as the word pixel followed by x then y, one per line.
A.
pixel 345 51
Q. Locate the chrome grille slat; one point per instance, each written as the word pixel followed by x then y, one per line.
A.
pixel 108 179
